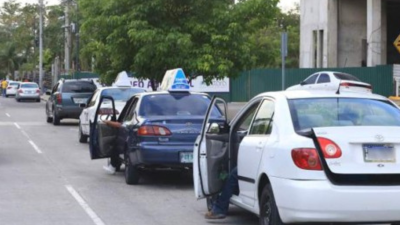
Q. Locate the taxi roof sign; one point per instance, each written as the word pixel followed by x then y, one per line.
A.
pixel 122 80
pixel 175 80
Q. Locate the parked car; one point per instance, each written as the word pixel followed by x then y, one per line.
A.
pixel 65 97
pixel 306 156
pixel 12 88
pixel 28 91
pixel 335 81
pixel 120 96
pixel 158 128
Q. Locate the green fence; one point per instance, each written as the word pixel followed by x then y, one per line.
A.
pixel 253 82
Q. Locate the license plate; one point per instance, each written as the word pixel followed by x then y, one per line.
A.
pixel 186 157
pixel 80 100
pixel 376 153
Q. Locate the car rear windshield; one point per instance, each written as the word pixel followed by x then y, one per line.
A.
pixel 121 94
pixel 13 84
pixel 329 112
pixel 78 87
pixel 177 104
pixel 29 86
pixel 345 76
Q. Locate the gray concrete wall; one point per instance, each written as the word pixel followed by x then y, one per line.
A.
pixel 352 30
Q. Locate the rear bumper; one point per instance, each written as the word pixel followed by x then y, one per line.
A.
pixel 160 156
pixel 28 96
pixel 320 201
pixel 71 112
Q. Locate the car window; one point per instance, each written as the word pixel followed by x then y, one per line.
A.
pixel 13 84
pixel 78 87
pixel 310 80
pixel 246 118
pixel 29 86
pixel 121 94
pixel 176 104
pixel 262 123
pixel 345 76
pixel 323 78
pixel 94 98
pixel 131 110
pixel 328 112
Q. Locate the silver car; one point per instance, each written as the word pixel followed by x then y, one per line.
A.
pixel 28 90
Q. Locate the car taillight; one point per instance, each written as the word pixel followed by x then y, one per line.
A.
pixel 306 158
pixel 9 87
pixel 107 111
pixel 20 91
pixel 59 98
pixel 153 131
pixel 38 91
pixel 347 84
pixel 329 148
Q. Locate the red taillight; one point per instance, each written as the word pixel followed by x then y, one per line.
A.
pixel 107 111
pixel 347 84
pixel 306 158
pixel 20 91
pixel 38 91
pixel 9 87
pixel 153 131
pixel 59 98
pixel 329 148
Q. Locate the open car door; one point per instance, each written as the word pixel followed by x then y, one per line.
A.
pixel 102 136
pixel 211 152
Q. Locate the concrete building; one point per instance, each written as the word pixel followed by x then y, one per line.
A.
pixel 348 33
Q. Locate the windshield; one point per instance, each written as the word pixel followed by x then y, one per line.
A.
pixel 78 87
pixel 121 94
pixel 177 104
pixel 345 76
pixel 329 112
pixel 29 86
pixel 13 84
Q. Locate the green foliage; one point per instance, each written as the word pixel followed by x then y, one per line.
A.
pixel 210 38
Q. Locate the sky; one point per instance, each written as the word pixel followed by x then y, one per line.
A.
pixel 285 4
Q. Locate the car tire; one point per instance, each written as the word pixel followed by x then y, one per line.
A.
pixel 82 137
pixel 269 214
pixel 17 99
pixel 6 96
pixel 38 100
pixel 132 175
pixel 56 118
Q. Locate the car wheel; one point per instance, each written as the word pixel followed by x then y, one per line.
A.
pixel 269 214
pixel 17 99
pixel 6 96
pixel 56 118
pixel 131 172
pixel 82 137
pixel 38 100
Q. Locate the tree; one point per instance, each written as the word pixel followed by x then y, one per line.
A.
pixel 209 38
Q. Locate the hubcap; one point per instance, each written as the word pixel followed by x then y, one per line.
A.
pixel 267 212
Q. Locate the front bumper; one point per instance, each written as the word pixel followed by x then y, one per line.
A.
pixel 320 201
pixel 160 156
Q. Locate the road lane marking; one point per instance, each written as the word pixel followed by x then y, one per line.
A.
pixel 16 124
pixel 35 147
pixel 25 134
pixel 8 115
pixel 84 205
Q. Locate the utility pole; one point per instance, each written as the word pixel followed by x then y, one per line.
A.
pixel 41 45
pixel 283 55
pixel 67 46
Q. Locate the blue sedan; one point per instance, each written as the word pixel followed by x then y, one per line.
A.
pixel 158 130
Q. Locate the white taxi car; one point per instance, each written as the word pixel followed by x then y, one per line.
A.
pixel 306 156
pixel 120 95
pixel 12 88
pixel 331 80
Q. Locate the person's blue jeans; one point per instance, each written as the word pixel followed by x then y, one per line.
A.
pixel 221 205
pixel 4 92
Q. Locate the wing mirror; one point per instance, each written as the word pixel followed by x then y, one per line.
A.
pixel 214 128
pixel 82 105
pixel 303 83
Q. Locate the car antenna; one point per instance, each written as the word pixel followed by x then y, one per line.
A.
pixel 338 90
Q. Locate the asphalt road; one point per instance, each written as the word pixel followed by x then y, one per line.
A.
pixel 47 177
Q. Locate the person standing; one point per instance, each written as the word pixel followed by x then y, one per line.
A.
pixel 4 87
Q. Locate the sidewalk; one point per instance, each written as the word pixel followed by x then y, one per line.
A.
pixel 44 97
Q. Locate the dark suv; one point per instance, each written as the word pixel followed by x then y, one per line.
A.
pixel 65 98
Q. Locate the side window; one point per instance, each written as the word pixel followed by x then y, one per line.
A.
pixel 323 78
pixel 310 80
pixel 94 99
pixel 131 111
pixel 262 123
pixel 244 122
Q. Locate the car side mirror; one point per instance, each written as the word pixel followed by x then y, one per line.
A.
pixel 303 83
pixel 48 92
pixel 82 105
pixel 214 128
